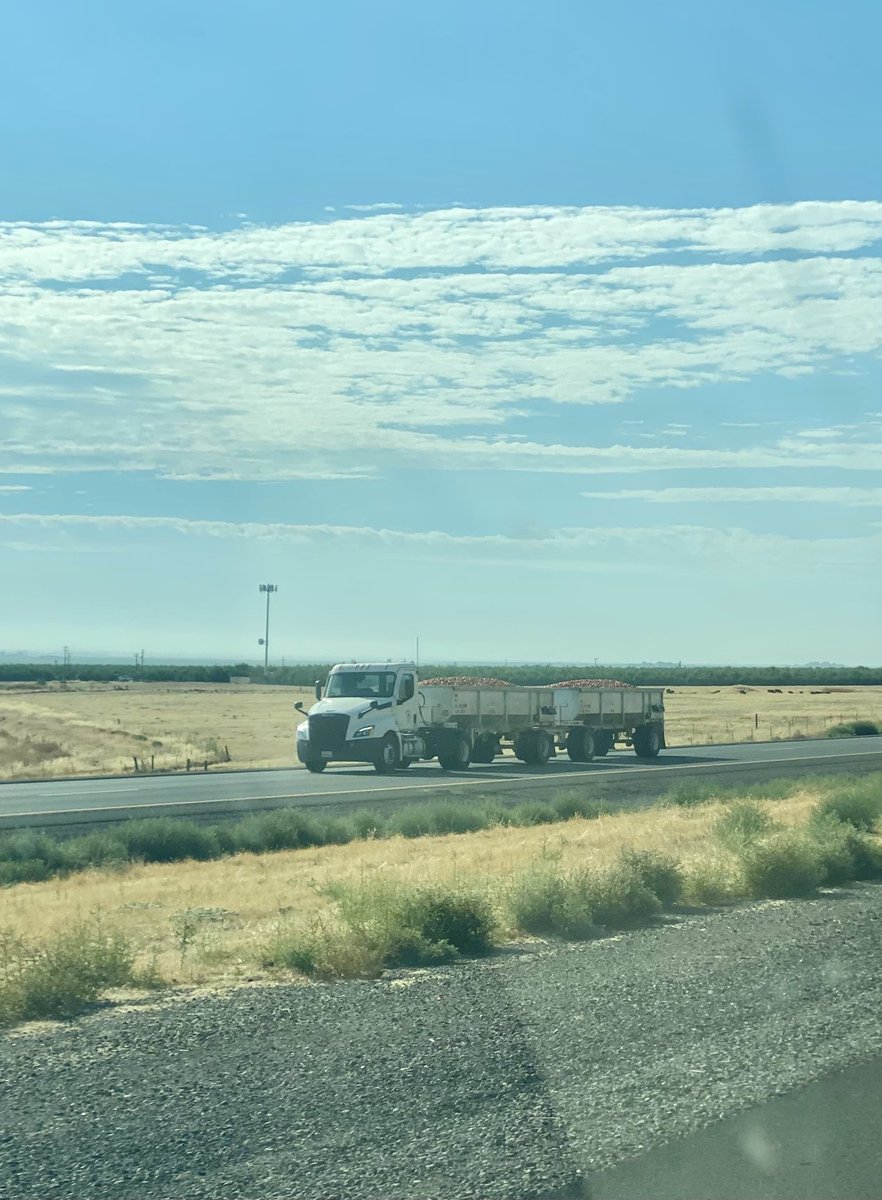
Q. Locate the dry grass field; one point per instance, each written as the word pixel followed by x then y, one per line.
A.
pixel 207 922
pixel 97 729
pixel 710 715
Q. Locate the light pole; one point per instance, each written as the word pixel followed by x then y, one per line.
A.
pixel 269 588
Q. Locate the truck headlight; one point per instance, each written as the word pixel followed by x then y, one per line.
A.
pixel 365 731
pixel 303 731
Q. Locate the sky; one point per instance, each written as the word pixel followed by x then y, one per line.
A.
pixel 544 332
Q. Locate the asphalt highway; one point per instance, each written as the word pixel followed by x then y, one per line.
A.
pixel 214 794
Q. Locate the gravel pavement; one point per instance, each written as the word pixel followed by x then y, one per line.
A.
pixel 515 1077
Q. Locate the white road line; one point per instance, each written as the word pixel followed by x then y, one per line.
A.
pixel 390 792
pixel 129 787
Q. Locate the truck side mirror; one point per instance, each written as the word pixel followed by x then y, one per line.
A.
pixel 318 689
pixel 298 704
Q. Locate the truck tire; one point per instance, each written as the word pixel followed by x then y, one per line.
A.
pixel 405 763
pixel 544 748
pixel 646 741
pixel 604 740
pixel 485 749
pixel 580 744
pixel 389 757
pixel 534 747
pixel 316 765
pixel 521 745
pixel 457 754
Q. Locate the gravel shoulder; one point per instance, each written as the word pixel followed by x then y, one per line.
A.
pixel 517 1077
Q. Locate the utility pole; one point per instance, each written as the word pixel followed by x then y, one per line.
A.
pixel 269 588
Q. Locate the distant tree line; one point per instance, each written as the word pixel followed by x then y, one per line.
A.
pixel 304 675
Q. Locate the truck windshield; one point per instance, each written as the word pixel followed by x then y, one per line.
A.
pixel 368 685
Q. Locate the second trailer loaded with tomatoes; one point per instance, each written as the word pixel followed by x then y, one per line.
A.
pixel 381 713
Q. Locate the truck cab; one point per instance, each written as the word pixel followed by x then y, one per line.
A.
pixel 367 712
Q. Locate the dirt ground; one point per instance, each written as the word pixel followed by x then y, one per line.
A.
pixel 91 728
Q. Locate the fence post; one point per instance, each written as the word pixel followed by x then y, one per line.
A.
pixel 135 761
pixel 188 764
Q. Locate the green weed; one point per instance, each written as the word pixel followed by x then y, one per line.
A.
pixel 575 804
pixel 382 926
pixel 743 822
pixel 859 805
pixel 164 839
pixel 783 865
pixel 854 729
pixel 63 977
pixel 533 812
pixel 548 903
pixel 619 899
pixel 660 873
pixel 713 882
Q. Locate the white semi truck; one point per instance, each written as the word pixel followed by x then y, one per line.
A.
pixel 380 713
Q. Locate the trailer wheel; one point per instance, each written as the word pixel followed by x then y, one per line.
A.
pixel 646 741
pixel 457 754
pixel 580 744
pixel 604 741
pixel 544 748
pixel 534 747
pixel 521 746
pixel 389 758
pixel 485 749
pixel 316 765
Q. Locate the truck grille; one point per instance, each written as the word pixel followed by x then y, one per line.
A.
pixel 327 731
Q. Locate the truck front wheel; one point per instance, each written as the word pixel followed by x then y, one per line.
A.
pixel 389 758
pixel 646 741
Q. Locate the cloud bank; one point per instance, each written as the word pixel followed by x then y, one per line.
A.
pixel 345 347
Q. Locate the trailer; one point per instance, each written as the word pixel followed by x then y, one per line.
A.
pixel 380 713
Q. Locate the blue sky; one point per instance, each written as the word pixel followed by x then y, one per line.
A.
pixel 535 331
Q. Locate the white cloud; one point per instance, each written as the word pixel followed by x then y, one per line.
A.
pixel 302 351
pixel 618 459
pixel 15 487
pixel 542 549
pixel 851 497
pixel 820 433
pixel 380 207
pixel 506 238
